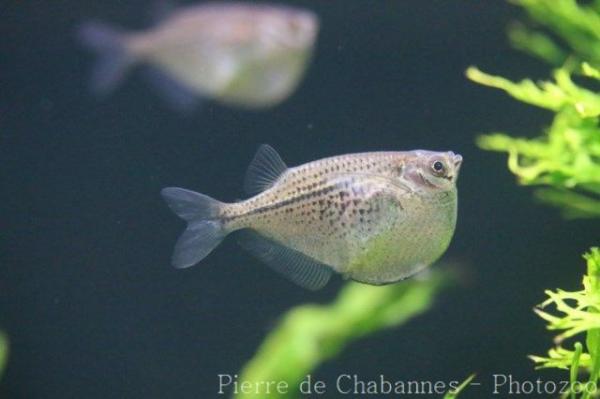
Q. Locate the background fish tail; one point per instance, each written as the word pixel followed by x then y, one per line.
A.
pixel 113 58
pixel 204 230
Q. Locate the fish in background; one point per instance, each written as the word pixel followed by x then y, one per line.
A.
pixel 243 55
pixel 375 217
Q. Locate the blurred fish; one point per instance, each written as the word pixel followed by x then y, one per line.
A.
pixel 375 217
pixel 244 55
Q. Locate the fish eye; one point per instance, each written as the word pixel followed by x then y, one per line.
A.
pixel 438 167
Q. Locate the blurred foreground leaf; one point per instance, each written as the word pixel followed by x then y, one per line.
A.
pixel 454 394
pixel 3 352
pixel 308 335
pixel 560 29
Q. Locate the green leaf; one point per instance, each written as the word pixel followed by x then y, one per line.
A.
pixel 536 43
pixel 575 313
pixel 3 352
pixel 309 335
pixel 454 394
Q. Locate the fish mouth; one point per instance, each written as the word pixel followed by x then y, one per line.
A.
pixel 456 160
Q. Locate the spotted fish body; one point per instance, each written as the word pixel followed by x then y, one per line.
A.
pixel 374 217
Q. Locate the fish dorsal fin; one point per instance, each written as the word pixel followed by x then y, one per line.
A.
pixel 293 265
pixel 264 170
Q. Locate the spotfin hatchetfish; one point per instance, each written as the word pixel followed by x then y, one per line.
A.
pixel 240 54
pixel 375 217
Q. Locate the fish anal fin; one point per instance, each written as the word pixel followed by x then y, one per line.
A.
pixel 177 95
pixel 264 170
pixel 293 265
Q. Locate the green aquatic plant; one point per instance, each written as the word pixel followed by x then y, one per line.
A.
pixel 3 352
pixel 309 335
pixel 574 314
pixel 565 159
pixel 559 30
pixel 453 394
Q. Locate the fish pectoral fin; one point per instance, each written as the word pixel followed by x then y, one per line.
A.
pixel 293 265
pixel 264 170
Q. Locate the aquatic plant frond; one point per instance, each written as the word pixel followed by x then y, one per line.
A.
pixel 4 344
pixel 559 29
pixel 573 313
pixel 566 158
pixel 309 335
pixel 454 393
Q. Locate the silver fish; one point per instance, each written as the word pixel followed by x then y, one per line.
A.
pixel 246 55
pixel 375 217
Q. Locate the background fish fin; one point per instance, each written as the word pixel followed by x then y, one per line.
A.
pixel 113 58
pixel 293 265
pixel 204 230
pixel 264 170
pixel 178 97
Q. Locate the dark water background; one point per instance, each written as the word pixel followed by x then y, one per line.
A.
pixel 87 296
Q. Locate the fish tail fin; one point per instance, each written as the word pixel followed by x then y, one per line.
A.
pixel 113 57
pixel 204 230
